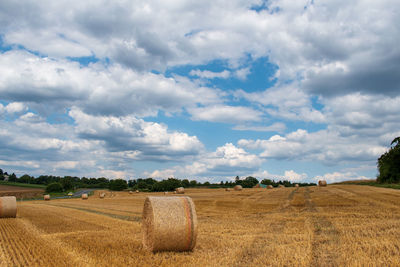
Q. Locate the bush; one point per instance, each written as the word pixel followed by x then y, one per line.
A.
pixel 54 187
pixel 118 185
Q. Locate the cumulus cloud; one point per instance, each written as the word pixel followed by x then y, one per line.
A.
pixel 224 113
pixel 275 127
pixel 152 140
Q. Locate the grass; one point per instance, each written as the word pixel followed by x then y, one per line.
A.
pixel 23 185
pixel 337 225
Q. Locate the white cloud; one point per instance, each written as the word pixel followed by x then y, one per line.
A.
pixel 226 114
pixel 210 74
pixel 275 127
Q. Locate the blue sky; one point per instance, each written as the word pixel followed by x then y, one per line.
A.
pixel 278 89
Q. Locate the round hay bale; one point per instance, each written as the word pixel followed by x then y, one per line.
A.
pixel 270 187
pixel 102 195
pixel 180 190
pixel 296 185
pixel 281 186
pixel 174 192
pixel 84 196
pixel 228 189
pixel 46 197
pixel 166 193
pixel 238 187
pixel 130 192
pixel 8 207
pixel 137 191
pixel 169 224
pixel 322 183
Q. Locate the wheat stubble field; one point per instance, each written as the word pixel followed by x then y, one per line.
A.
pixel 338 225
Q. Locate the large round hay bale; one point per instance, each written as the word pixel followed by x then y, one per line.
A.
pixel 180 190
pixel 270 187
pixel 281 186
pixel 169 224
pixel 130 192
pixel 8 207
pixel 46 197
pixel 84 196
pixel 227 189
pixel 296 185
pixel 238 188
pixel 322 183
pixel 102 195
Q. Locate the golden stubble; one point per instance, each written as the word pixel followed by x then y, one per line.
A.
pixel 341 225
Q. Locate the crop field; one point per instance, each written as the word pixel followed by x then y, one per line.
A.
pixel 338 225
pixel 20 192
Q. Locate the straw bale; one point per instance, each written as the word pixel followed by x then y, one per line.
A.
pixel 180 190
pixel 322 183
pixel 228 189
pixel 84 196
pixel 270 187
pixel 102 195
pixel 166 193
pixel 238 187
pixel 137 191
pixel 169 224
pixel 296 185
pixel 130 192
pixel 8 207
pixel 281 186
pixel 174 192
pixel 46 197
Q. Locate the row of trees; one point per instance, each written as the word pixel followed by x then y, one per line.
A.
pixel 69 183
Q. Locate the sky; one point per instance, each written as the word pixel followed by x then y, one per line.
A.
pixel 206 90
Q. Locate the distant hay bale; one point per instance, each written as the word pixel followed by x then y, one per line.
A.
pixel 169 224
pixel 137 191
pixel 166 193
pixel 102 195
pixel 46 197
pixel 281 186
pixel 296 185
pixel 130 192
pixel 238 188
pixel 228 189
pixel 270 187
pixel 322 183
pixel 84 196
pixel 180 190
pixel 8 207
pixel 174 192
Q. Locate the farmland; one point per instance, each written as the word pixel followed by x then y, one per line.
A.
pixel 338 225
pixel 21 192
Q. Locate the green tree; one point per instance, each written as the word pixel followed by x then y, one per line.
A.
pixel 118 185
pixel 54 187
pixel 389 164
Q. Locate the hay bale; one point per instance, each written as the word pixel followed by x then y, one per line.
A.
pixel 46 197
pixel 180 190
pixel 281 186
pixel 102 195
pixel 137 191
pixel 166 193
pixel 322 183
pixel 174 192
pixel 169 224
pixel 238 188
pixel 228 189
pixel 296 185
pixel 270 187
pixel 84 196
pixel 8 207
pixel 130 192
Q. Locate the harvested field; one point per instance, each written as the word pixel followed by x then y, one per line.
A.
pixel 20 192
pixel 339 225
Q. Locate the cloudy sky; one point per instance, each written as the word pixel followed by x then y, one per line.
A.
pixel 204 90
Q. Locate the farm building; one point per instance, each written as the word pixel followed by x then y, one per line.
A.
pixel 260 186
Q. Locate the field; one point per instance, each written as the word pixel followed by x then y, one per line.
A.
pixel 338 225
pixel 20 192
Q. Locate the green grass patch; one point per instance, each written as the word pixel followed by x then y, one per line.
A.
pixel 371 183
pixel 41 186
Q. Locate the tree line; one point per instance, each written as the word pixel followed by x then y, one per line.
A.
pixel 389 164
